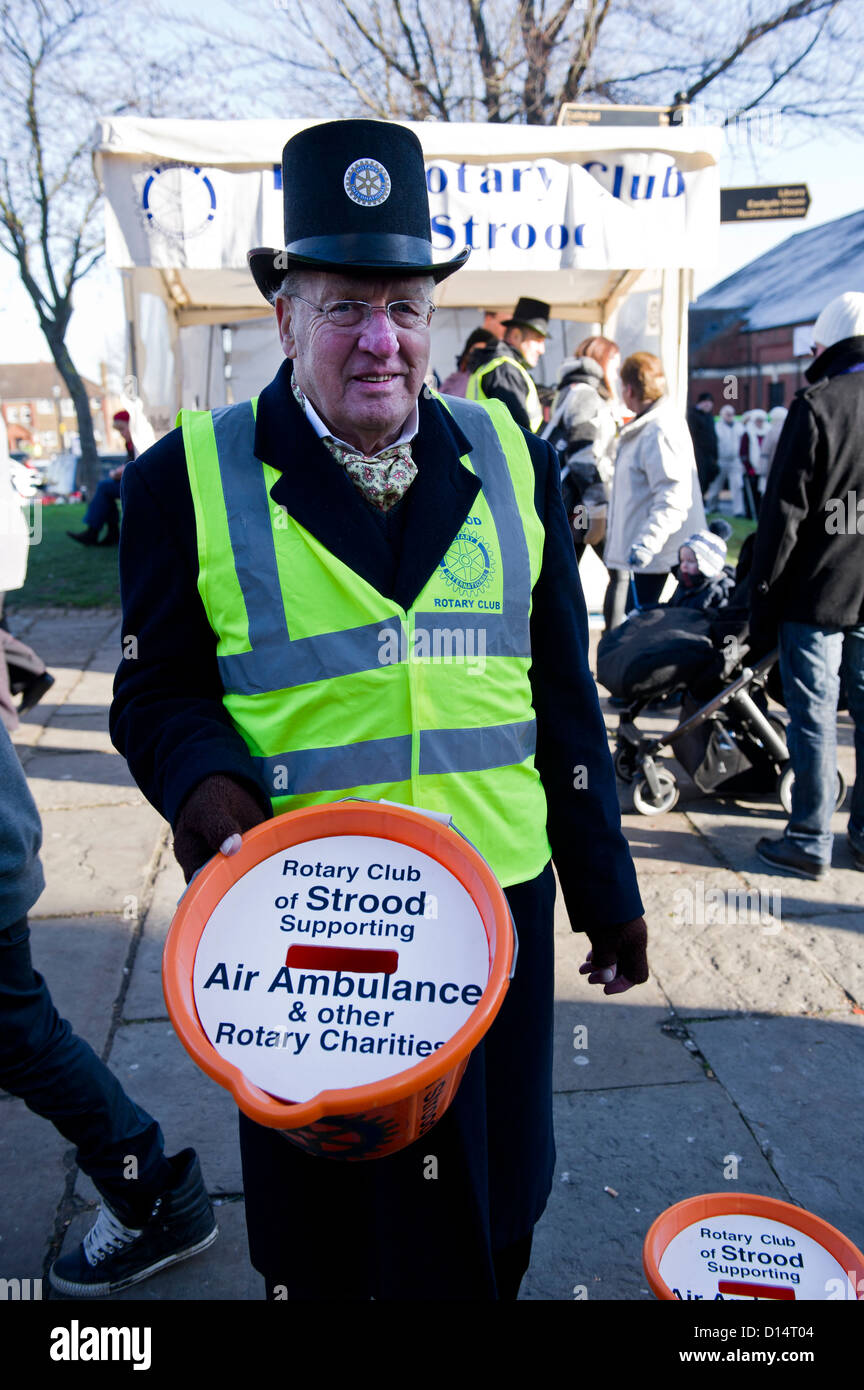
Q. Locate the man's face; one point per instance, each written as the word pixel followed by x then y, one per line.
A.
pixel 532 346
pixel 707 406
pixel 727 414
pixel 363 381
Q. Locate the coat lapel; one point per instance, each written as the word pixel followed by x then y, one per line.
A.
pixel 319 494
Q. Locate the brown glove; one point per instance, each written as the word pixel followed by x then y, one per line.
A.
pixel 218 808
pixel 623 949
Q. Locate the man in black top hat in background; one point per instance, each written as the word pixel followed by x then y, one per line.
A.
pixel 503 372
pixel 376 479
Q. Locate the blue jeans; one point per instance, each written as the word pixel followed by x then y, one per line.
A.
pixel 58 1075
pixel 102 510
pixel 812 660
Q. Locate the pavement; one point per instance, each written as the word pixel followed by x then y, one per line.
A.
pixel 738 1067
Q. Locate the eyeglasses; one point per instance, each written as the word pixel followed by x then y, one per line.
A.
pixel 407 314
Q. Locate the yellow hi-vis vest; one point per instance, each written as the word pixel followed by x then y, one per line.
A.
pixel 339 692
pixel 474 390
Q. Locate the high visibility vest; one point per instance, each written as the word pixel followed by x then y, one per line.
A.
pixel 474 390
pixel 340 692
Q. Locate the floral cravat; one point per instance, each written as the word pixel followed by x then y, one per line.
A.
pixel 383 479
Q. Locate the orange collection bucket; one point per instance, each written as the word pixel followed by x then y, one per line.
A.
pixel 740 1246
pixel 337 972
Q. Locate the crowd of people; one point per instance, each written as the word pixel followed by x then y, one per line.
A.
pixel 637 482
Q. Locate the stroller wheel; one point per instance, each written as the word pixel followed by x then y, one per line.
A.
pixel 643 797
pixel 785 783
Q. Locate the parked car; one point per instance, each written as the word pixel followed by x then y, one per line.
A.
pixel 67 477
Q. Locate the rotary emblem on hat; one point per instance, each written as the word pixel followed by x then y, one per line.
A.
pixel 367 183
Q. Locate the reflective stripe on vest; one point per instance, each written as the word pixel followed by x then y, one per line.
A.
pixel 336 690
pixel 475 392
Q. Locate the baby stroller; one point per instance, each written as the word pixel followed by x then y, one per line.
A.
pixel 726 739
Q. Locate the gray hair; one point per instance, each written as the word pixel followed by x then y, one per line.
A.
pixel 292 284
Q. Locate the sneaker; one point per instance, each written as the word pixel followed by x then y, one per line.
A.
pixel 112 1255
pixel 88 537
pixel 785 854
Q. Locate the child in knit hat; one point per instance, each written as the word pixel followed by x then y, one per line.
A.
pixel 704 578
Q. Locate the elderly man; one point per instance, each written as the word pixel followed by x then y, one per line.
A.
pixel 293 530
pixel 503 372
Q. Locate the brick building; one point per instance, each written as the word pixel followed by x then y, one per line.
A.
pixel 750 335
pixel 39 412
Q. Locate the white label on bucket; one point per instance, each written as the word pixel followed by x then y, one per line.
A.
pixel 337 963
pixel 740 1257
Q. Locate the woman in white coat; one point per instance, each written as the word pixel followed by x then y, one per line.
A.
pixel 656 498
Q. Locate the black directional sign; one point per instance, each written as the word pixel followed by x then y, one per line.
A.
pixel 764 204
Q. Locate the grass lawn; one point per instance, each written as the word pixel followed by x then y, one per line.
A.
pixel 63 574
pixel 741 529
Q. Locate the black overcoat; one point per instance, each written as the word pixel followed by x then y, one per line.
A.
pixel 388 1227
pixel 808 559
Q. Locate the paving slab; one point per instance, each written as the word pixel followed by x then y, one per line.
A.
pixel 33 1172
pixel 800 1082
pixel 66 637
pixel 589 1028
pixel 70 779
pixel 145 998
pixel 95 689
pixel 78 719
pixel 836 944
pixel 665 844
pixel 732 833
pixel 96 860
pixel 221 1272
pixel 83 960
pixel 192 1110
pixel 653 1146
pixel 746 961
pixel 616 1043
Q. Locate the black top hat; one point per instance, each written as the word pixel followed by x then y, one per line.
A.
pixel 530 313
pixel 354 198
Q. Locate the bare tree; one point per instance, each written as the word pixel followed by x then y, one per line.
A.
pixel 61 68
pixel 519 60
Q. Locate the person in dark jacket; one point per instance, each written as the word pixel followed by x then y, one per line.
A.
pixel 808 585
pixel 321 1227
pixel 700 421
pixel 155 1209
